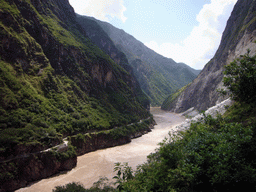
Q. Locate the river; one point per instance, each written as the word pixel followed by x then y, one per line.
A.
pixel 100 163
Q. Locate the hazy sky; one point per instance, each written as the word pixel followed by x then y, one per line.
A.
pixel 187 31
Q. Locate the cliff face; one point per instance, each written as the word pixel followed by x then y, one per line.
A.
pixel 31 168
pixel 157 75
pixel 238 36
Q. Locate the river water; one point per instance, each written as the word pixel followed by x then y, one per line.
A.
pixel 91 166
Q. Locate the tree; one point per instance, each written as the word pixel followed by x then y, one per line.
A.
pixel 240 79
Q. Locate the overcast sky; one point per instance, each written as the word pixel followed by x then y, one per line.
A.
pixel 187 31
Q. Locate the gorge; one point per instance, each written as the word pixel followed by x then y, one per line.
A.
pixel 57 83
pixel 67 77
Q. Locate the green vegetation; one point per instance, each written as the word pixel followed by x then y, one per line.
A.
pixel 32 118
pixel 216 155
pixel 130 129
pixel 54 83
pixel 240 79
pixel 153 83
pixel 70 187
pixel 102 185
pixel 69 153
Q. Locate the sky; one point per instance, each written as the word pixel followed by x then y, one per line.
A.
pixel 188 31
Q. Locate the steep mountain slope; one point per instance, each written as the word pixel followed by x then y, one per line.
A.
pixel 99 37
pixel 54 82
pixel 157 75
pixel 238 36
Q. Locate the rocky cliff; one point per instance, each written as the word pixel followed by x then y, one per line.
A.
pixel 157 75
pixel 21 171
pixel 238 36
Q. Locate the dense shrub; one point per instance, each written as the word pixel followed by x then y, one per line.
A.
pixel 240 78
pixel 101 185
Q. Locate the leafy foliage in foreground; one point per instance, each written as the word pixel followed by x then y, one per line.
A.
pixel 215 155
pixel 102 185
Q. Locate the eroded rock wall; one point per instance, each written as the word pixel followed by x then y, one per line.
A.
pixel 20 172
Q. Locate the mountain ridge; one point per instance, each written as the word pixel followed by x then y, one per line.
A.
pixel 238 36
pixel 158 76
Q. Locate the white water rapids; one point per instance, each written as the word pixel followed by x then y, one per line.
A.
pixel 101 163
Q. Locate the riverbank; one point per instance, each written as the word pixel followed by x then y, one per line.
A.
pixel 85 143
pixel 21 170
pixel 100 163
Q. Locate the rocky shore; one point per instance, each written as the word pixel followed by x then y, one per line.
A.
pixel 213 111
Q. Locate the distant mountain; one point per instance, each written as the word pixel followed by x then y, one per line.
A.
pixel 238 36
pixel 195 71
pixel 157 75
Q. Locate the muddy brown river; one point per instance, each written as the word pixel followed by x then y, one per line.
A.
pixel 91 166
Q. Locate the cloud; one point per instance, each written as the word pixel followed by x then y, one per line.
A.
pixel 100 9
pixel 196 49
